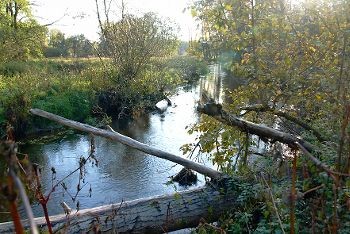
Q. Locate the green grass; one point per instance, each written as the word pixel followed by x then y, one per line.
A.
pixel 72 87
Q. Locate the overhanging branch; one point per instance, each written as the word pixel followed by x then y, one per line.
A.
pixel 306 126
pixel 215 111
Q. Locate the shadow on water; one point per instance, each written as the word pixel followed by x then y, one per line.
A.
pixel 124 173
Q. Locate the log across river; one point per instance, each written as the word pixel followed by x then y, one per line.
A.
pixel 158 214
pixel 124 173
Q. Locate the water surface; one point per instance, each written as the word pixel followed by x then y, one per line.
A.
pixel 124 173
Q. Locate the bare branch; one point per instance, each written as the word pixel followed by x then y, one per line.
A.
pixel 318 163
pixel 253 128
pixel 274 205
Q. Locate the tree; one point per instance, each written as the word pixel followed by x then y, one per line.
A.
pixel 79 46
pixel 133 41
pixel 21 36
pixel 57 44
pixel 74 46
pixel 294 68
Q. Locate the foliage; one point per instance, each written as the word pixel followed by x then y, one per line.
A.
pixel 133 41
pixel 63 87
pixel 293 60
pixel 73 46
pixel 21 37
pixel 189 68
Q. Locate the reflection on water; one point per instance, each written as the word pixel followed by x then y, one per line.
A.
pixel 215 85
pixel 124 173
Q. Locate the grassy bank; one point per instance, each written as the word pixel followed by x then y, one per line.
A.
pixel 85 90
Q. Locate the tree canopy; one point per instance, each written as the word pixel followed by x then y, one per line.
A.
pixel 21 37
pixel 293 63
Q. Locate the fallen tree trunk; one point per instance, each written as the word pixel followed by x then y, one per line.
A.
pixel 114 136
pixel 215 111
pixel 153 215
pixel 280 113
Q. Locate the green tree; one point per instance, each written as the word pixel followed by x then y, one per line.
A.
pixel 57 45
pixel 79 46
pixel 21 37
pixel 294 67
pixel 133 41
pixel 73 46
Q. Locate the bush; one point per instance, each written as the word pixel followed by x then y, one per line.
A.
pixel 73 104
pixel 13 68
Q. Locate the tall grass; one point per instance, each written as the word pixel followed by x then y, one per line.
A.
pixel 73 88
pixel 60 86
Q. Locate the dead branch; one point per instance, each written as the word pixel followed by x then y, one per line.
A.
pixel 215 110
pixel 306 126
pixel 25 201
pixel 274 204
pixel 318 163
pixel 253 128
pixel 146 215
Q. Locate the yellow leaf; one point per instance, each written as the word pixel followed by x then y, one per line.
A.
pixel 313 50
pixel 228 7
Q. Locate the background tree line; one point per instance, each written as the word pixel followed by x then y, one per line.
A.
pixel 78 46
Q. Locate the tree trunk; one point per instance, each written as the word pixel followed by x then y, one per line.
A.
pixel 215 110
pixel 114 136
pixel 147 215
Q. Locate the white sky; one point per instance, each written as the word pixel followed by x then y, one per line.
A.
pixel 79 16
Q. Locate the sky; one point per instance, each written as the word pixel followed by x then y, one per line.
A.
pixel 79 16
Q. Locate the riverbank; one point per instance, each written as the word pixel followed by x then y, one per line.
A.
pixel 87 90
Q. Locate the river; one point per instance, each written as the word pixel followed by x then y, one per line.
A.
pixel 123 173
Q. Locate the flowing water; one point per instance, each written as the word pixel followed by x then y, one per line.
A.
pixel 122 172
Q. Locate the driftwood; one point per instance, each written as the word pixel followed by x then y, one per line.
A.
pixel 216 111
pixel 114 136
pixel 153 215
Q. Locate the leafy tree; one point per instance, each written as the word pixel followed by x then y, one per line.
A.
pixel 57 44
pixel 79 46
pixel 133 41
pixel 294 68
pixel 74 46
pixel 21 36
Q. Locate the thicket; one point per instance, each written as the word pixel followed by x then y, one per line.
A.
pixel 293 60
pixel 83 90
